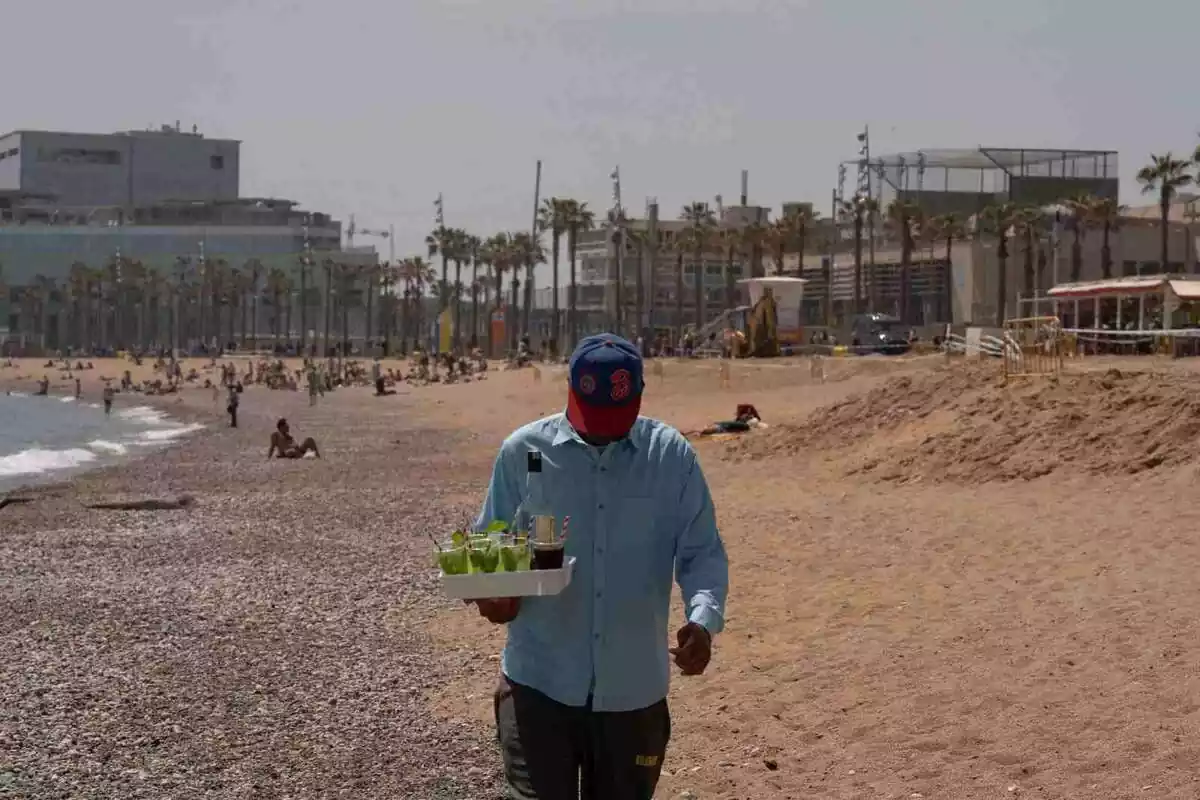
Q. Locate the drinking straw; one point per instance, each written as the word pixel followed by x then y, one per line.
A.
pixel 566 522
pixel 435 541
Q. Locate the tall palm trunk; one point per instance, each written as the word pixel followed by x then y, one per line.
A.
pixel 1030 246
pixel 639 300
pixel 727 276
pixel 516 289
pixel 555 333
pixel 245 322
pixel 949 282
pixel 906 251
pixel 827 278
pixel 1164 213
pixel 456 338
pixel 404 316
pixel 444 289
pixel 367 331
pixel 327 307
pixel 572 307
pixel 678 296
pixel 619 283
pixel 474 342
pixel 699 289
pixel 303 311
pixel 858 262
pixel 1106 252
pixel 1002 280
pixel 528 292
pixel 1077 254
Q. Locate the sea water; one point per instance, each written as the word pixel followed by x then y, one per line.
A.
pixel 47 438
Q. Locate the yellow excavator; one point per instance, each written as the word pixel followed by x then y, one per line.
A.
pixel 755 329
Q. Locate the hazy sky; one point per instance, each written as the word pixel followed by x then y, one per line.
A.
pixel 374 107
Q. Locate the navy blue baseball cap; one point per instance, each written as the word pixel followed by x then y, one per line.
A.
pixel 606 386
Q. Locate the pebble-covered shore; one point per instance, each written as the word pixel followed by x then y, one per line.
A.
pixel 266 643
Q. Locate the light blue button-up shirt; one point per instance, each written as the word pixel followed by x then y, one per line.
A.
pixel 640 513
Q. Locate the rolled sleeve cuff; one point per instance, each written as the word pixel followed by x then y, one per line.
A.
pixel 708 618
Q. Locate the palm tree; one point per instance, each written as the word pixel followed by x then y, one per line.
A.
pixel 701 223
pixel 579 218
pixel 473 245
pixel 618 229
pixel 998 220
pixel 1080 208
pixel 856 209
pixel 328 303
pixel 1029 222
pixel 440 241
pixel 527 251
pixel 552 216
pixel 254 272
pixel 306 265
pixel 904 217
pixel 778 239
pixel 458 242
pixel 948 228
pixel 279 285
pixel 636 239
pixel 728 241
pixel 1105 214
pixel 1165 175
pixel 798 221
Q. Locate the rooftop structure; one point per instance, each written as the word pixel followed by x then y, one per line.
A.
pixel 965 181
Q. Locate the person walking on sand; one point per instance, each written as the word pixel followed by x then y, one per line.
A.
pixel 581 702
pixel 232 406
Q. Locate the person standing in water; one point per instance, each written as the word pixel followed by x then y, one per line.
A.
pixel 108 398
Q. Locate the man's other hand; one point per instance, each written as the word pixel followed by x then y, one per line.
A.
pixel 498 610
pixel 695 649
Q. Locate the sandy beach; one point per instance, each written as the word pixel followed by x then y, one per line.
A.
pixel 941 587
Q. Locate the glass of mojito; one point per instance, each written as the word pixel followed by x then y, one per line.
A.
pixel 453 559
pixel 484 555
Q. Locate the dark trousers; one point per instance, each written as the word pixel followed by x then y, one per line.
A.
pixel 556 752
pixel 232 416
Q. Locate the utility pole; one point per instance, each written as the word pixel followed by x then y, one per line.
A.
pixel 617 242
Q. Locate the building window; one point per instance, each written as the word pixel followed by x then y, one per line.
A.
pixel 216 162
pixel 78 155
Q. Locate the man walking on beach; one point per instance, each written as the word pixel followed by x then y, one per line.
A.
pixel 581 704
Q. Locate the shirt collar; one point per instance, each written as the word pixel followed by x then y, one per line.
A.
pixel 566 433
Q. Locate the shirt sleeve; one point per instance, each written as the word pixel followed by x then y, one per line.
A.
pixel 701 566
pixel 504 489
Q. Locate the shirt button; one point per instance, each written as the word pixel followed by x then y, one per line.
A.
pixel 604 469
pixel 599 595
pixel 600 505
pixel 596 636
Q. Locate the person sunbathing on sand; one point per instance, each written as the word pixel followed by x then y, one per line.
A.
pixel 283 443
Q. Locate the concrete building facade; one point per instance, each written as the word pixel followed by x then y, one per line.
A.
pixel 126 169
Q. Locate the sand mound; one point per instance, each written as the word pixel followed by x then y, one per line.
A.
pixel 958 423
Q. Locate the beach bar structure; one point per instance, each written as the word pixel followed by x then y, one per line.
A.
pixel 1129 310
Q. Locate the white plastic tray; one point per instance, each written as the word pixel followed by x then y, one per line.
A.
pixel 526 583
